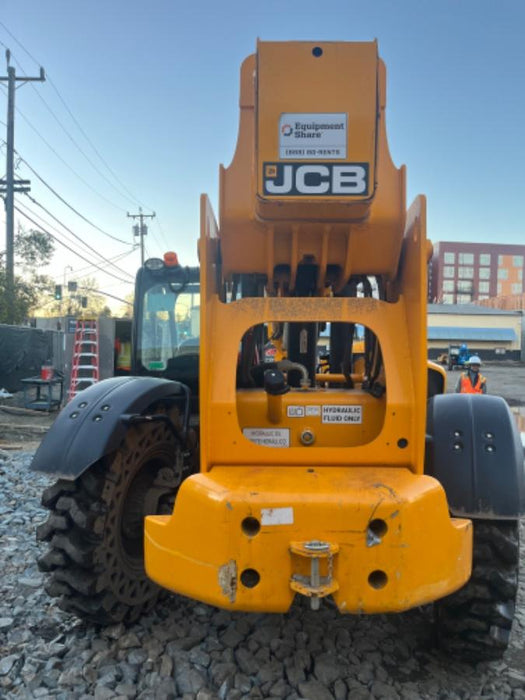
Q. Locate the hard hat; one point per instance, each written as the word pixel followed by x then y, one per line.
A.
pixel 474 360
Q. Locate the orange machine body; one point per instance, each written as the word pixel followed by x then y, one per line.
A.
pixel 319 488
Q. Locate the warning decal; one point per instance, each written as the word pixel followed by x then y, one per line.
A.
pixel 295 411
pixel 313 410
pixel 342 414
pixel 276 516
pixel 268 437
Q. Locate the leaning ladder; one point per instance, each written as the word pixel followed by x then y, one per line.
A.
pixel 84 365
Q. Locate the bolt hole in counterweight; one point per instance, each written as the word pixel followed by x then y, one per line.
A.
pixel 378 527
pixel 378 579
pixel 250 578
pixel 317 51
pixel 250 526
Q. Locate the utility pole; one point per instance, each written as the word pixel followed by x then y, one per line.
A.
pixel 141 229
pixel 9 186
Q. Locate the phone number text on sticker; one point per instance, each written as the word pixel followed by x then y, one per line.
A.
pixel 342 414
pixel 315 179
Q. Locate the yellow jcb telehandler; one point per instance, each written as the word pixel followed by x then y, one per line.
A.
pixel 242 482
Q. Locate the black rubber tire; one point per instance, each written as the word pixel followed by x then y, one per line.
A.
pixel 95 529
pixel 475 622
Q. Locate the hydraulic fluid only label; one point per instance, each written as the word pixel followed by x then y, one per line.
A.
pixel 312 136
pixel 342 414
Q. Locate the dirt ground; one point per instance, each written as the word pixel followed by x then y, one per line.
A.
pixel 21 428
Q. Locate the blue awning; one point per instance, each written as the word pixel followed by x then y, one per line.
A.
pixel 465 335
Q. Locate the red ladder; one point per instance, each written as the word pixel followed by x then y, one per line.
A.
pixel 84 365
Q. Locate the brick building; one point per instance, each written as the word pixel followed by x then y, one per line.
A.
pixel 460 273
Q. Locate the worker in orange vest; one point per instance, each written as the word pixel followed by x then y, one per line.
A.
pixel 472 381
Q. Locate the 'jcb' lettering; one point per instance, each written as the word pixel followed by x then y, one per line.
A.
pixel 315 179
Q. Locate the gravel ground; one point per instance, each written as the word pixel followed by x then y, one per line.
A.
pixel 185 649
pixel 189 650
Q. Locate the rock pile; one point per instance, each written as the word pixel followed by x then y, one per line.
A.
pixel 185 649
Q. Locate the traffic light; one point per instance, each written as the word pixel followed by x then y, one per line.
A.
pixel 84 302
pixel 58 292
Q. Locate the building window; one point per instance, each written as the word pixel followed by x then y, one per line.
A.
pixel 448 272
pixel 503 273
pixel 466 273
pixel 449 258
pixel 483 296
pixel 484 259
pixel 499 288
pixel 520 275
pixel 448 298
pixel 484 287
pixel 484 273
pixel 464 298
pixel 517 288
pixel 517 260
pixel 448 286
pixel 464 286
pixel 501 260
pixel 466 258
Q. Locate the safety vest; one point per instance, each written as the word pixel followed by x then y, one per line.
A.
pixel 123 355
pixel 466 385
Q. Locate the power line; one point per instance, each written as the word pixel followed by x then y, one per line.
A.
pixel 131 195
pixel 79 148
pixel 66 107
pixel 99 265
pixel 86 183
pixel 107 294
pixel 71 250
pixel 75 235
pixel 165 240
pixel 120 256
pixel 51 189
pixel 68 166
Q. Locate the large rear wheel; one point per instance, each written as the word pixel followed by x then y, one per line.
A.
pixel 475 622
pixel 95 530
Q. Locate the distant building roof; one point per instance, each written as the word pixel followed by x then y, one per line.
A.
pixel 470 310
pixel 464 245
pixel 466 335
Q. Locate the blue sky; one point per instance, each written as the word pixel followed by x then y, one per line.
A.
pixel 155 87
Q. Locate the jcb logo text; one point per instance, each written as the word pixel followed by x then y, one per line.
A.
pixel 315 179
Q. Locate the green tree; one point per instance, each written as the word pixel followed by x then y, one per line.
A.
pixel 126 310
pixel 32 249
pixel 96 301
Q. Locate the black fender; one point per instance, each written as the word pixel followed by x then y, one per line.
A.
pixel 474 450
pixel 95 422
